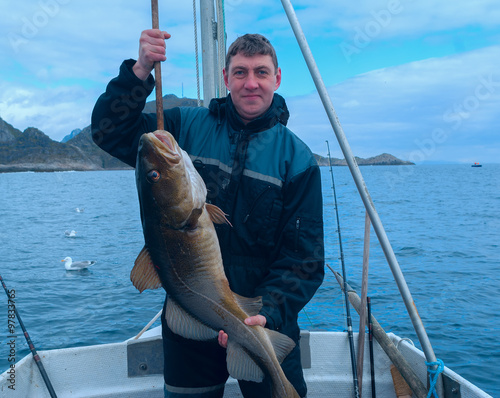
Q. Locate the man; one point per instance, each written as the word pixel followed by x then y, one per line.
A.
pixel 259 173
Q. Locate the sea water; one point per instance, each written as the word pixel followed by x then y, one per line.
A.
pixel 442 222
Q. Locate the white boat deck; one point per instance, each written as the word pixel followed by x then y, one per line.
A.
pixel 103 371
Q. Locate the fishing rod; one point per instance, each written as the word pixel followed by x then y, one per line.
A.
pixel 157 66
pixel 387 345
pixel 370 338
pixel 37 359
pixel 346 297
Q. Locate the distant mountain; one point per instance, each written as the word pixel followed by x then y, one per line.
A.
pixel 33 150
pixel 384 159
pixel 171 101
pixel 8 134
pixel 71 135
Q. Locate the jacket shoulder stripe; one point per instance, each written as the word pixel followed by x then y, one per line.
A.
pixel 249 173
pixel 212 162
pixel 263 177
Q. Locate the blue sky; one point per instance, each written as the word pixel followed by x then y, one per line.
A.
pixel 419 80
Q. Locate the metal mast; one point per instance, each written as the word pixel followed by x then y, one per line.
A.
pixel 212 49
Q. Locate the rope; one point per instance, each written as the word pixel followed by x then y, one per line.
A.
pixel 148 325
pixel 221 47
pixel 196 53
pixel 433 376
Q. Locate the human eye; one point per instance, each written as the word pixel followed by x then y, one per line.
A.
pixel 239 73
pixel 263 72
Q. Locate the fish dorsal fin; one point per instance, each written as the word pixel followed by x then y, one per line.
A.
pixel 185 325
pixel 282 344
pixel 240 365
pixel 216 214
pixel 251 306
pixel 144 275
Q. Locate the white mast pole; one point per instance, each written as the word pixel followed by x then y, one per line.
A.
pixel 208 50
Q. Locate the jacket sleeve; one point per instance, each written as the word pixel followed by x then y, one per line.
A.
pixel 298 270
pixel 117 119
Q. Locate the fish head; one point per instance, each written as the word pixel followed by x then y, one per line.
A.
pixel 169 187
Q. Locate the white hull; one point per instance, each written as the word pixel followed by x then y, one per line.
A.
pixel 103 370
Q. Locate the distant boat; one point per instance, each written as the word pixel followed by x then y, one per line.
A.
pixel 476 165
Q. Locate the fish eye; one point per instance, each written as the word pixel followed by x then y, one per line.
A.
pixel 153 176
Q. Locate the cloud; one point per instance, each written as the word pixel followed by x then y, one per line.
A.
pixel 55 111
pixel 76 39
pixel 422 110
pixel 60 54
pixel 394 17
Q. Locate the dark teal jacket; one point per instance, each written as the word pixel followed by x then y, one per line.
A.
pixel 260 174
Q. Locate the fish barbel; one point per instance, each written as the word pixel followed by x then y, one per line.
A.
pixel 182 254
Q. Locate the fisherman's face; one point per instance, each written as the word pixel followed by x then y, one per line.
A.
pixel 252 82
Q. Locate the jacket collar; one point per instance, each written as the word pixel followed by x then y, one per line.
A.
pixel 277 113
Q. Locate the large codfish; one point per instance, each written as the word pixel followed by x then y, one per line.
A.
pixel 182 254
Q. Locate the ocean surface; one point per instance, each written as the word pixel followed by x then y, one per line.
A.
pixel 442 221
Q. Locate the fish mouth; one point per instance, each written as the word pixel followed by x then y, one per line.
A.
pixel 164 143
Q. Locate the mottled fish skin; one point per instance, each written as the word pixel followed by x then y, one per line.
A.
pixel 182 254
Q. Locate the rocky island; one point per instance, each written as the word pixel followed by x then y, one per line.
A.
pixel 33 150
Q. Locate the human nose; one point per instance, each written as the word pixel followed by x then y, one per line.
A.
pixel 251 82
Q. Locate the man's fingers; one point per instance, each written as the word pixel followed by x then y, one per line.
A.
pixel 151 49
pixel 152 44
pixel 222 339
pixel 256 320
pixel 156 33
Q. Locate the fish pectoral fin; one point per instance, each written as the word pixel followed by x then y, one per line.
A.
pixel 251 306
pixel 282 344
pixel 185 325
pixel 217 215
pixel 240 365
pixel 193 218
pixel 144 275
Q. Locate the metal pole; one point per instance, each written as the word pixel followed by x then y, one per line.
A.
pixel 209 58
pixel 360 184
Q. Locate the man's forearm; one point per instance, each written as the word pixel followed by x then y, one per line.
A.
pixel 117 118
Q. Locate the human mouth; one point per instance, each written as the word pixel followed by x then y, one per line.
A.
pixel 251 97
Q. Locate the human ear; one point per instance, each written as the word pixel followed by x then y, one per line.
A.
pixel 278 79
pixel 226 79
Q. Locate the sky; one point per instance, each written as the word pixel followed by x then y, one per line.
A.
pixel 416 79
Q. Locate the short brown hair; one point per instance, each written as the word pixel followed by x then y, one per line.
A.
pixel 250 45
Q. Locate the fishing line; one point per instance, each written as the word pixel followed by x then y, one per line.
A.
pixel 307 316
pixel 37 359
pixel 346 297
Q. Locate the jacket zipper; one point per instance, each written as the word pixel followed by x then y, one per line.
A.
pixel 254 204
